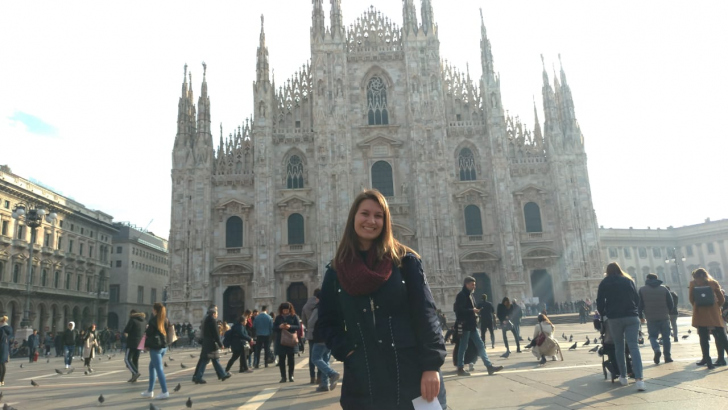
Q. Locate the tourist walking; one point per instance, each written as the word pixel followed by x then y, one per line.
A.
pixel 320 354
pixel 6 333
pixel 617 304
pixel 133 332
pixel 515 316
pixel 156 343
pixel 211 345
pixel 655 305
pixel 707 299
pixel 33 345
pixel 673 314
pixel 238 339
pixel 263 325
pixel 549 345
pixel 90 343
pixel 504 312
pixel 69 343
pixel 286 321
pixel 48 343
pixel 486 311
pixel 305 319
pixel 378 316
pixel 58 343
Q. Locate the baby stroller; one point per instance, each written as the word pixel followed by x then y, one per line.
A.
pixel 471 354
pixel 608 352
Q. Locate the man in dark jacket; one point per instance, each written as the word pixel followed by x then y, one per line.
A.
pixel 466 312
pixel 305 318
pixel 211 343
pixel 655 305
pixel 33 344
pixel 673 314
pixel 487 319
pixel 133 331
pixel 69 343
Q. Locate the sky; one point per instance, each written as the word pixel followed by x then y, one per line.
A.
pixel 89 90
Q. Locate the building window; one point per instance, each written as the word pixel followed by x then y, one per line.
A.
pixel 47 240
pixel 613 253
pixel 532 214
pixel 2 271
pixel 32 275
pixel 68 281
pixel 140 294
pixel 118 249
pixel 90 251
pixel 673 274
pixel 689 250
pixel 114 293
pixel 473 223
pixel 466 165
pixel 70 246
pixel 711 248
pixel 81 231
pixel 78 282
pixel 80 249
pixel 44 277
pixel 16 273
pixel 643 252
pixel 60 242
pixel 294 172
pixel 118 263
pixel 6 204
pixel 153 296
pixel 295 230
pixel 57 279
pixel 88 284
pixel 234 232
pixel 382 178
pixel 377 102
pixel 627 253
pixel 656 252
pixel 5 228
pixel 21 231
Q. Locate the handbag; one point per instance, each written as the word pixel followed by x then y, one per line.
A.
pixel 142 342
pixel 704 296
pixel 507 325
pixel 288 339
pixel 541 336
pixel 171 336
pixel 215 354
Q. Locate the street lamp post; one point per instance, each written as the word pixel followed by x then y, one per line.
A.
pixel 674 260
pixel 32 214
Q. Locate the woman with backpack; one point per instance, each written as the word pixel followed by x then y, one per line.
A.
pixel 706 298
pixel 237 338
pixel 156 344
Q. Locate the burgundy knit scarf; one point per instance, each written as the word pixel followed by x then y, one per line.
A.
pixel 358 279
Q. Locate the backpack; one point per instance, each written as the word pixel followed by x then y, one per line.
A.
pixel 227 338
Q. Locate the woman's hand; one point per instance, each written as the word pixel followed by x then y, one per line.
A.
pixel 430 385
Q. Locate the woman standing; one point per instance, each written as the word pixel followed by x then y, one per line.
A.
pixel 89 347
pixel 239 338
pixel 707 318
pixel 547 348
pixel 617 301
pixel 156 343
pixel 6 332
pixel 378 316
pixel 504 312
pixel 286 321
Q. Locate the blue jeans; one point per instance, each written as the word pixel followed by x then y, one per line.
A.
pixel 320 356
pixel 626 329
pixel 156 370
pixel 202 364
pixel 661 327
pixel 68 353
pixel 463 346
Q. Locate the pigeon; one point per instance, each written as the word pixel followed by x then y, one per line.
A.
pixel 48 360
pixel 109 357
pixel 165 364
pixel 85 372
pixel 192 356
pixel 58 371
pixel 153 407
pixel 1 395
pixel 686 336
pixel 587 342
pixel 529 339
pixel 563 335
pixel 33 383
pixel 182 365
pixel 571 338
pixel 188 403
pixel 176 388
pixel 565 338
pixel 594 349
pixel 21 365
pixel 690 331
pixel 573 347
pixel 101 399
pixel 596 340
pixel 171 359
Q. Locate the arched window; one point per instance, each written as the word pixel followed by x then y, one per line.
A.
pixel 532 214
pixel 382 178
pixel 56 280
pixel 377 102
pixel 234 232
pixel 466 165
pixel 44 277
pixel 473 224
pixel 294 173
pixel 16 273
pixel 295 230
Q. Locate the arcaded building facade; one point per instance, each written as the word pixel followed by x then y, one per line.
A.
pixel 257 216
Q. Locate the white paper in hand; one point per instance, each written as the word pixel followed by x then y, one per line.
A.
pixel 421 404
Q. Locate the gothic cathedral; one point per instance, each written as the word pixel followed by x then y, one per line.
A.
pixel 256 220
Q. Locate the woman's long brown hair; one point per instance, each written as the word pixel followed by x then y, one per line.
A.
pixel 613 269
pixel 385 245
pixel 161 314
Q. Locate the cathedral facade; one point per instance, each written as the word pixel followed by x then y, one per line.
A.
pixel 256 219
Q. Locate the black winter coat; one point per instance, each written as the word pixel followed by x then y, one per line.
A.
pixel 504 313
pixel 464 312
pixel 393 333
pixel 154 335
pixel 134 330
pixel 617 297
pixel 69 337
pixel 239 335
pixel 210 337
pixel 293 321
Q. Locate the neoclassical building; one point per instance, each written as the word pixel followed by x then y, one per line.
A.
pixel 256 219
pixel 70 266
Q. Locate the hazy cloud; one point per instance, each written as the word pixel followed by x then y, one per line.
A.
pixel 33 124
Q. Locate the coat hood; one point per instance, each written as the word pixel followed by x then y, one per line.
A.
pixel 138 316
pixel 73 325
pixel 653 282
